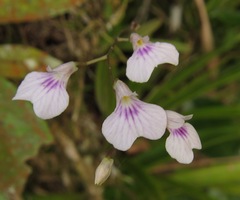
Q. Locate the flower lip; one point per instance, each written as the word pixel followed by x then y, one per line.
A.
pixel 47 90
pixel 131 119
pixel 148 55
pixel 182 139
pixel 182 132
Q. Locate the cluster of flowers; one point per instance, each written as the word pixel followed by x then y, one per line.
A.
pixel 132 118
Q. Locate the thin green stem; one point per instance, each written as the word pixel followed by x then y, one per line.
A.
pixel 90 62
pixel 106 56
pixel 119 39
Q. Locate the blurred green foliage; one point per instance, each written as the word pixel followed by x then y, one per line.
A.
pixel 205 83
pixel 21 136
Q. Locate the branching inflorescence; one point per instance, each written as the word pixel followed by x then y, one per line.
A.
pixel 132 118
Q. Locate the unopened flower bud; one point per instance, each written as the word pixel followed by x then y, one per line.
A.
pixel 103 171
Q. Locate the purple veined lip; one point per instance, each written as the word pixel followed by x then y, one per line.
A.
pixel 129 111
pixel 182 132
pixel 142 51
pixel 50 83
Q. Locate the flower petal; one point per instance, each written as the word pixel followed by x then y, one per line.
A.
pixel 148 56
pixel 179 149
pixel 30 85
pixel 48 95
pixel 139 68
pixel 176 120
pixel 122 90
pixel 140 119
pixel 50 103
pixel 165 53
pixel 47 90
pixel 193 137
pixel 118 133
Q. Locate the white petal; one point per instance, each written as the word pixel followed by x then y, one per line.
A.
pixel 148 56
pixel 118 133
pixel 175 120
pixel 30 85
pixel 181 141
pixel 66 68
pixel 49 104
pixel 122 90
pixel 179 148
pixel 47 90
pixel 193 137
pixel 140 119
pixel 139 69
pixel 165 53
pixel 153 120
pixel 48 95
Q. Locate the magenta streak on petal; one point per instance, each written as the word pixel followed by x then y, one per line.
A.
pixel 130 112
pixel 119 109
pixel 180 132
pixel 54 85
pixel 47 82
pixel 50 83
pixel 144 50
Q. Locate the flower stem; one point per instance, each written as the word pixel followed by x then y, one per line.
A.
pixel 106 56
pixel 119 39
pixel 90 62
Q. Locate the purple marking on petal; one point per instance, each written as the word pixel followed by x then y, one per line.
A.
pixel 144 50
pixel 118 109
pixel 140 52
pixel 148 48
pixel 134 110
pixel 182 131
pixel 50 83
pixel 126 113
pixel 54 85
pixel 130 111
pixel 47 82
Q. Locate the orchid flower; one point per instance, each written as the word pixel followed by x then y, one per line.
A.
pixel 148 55
pixel 47 90
pixel 132 118
pixel 182 139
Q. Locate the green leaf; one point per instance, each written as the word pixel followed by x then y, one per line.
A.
pixel 21 133
pixel 201 85
pixel 217 112
pixel 22 11
pixel 215 175
pixel 149 27
pixel 18 60
pixel 184 72
pixel 104 92
pixel 227 16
